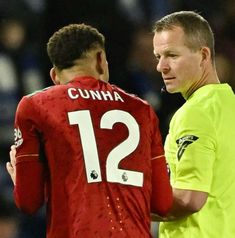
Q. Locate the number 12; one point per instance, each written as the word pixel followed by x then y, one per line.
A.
pixel 91 158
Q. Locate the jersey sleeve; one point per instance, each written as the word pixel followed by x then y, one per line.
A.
pixel 162 198
pixel 26 133
pixel 29 187
pixel 190 150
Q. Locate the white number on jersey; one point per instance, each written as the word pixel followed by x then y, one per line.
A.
pixel 113 173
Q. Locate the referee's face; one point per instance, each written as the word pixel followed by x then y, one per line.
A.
pixel 180 66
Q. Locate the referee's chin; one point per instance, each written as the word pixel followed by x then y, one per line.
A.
pixel 170 90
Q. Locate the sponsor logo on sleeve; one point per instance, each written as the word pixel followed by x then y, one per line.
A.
pixel 18 137
pixel 183 143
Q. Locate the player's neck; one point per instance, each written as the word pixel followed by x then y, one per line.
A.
pixel 67 75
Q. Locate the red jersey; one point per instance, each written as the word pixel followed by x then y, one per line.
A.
pixel 98 143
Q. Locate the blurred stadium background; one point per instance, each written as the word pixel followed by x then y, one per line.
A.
pixel 26 25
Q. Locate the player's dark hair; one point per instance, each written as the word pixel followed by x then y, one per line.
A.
pixel 71 43
pixel 198 32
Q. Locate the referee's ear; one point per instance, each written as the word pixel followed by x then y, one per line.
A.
pixel 206 56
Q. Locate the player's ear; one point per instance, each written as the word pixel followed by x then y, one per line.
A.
pixel 102 65
pixel 101 61
pixel 53 76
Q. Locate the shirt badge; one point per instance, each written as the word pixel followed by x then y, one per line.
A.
pixel 183 142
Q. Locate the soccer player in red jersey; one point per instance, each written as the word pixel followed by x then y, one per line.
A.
pixel 104 169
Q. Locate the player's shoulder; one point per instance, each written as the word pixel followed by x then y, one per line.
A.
pixel 32 98
pixel 130 96
pixel 38 92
